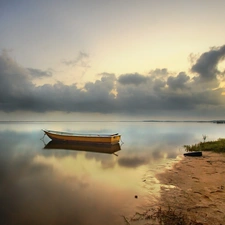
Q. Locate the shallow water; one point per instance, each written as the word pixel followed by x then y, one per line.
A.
pixel 56 186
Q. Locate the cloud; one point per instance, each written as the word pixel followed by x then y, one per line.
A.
pixel 36 73
pixel 160 91
pixel 135 79
pixel 19 93
pixel 178 81
pixel 206 65
pixel 159 73
pixel 15 85
pixel 82 60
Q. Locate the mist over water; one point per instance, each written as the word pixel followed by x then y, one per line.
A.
pixel 58 186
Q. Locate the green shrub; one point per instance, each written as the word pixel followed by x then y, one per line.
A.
pixel 215 146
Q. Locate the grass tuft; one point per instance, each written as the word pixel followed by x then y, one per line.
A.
pixel 214 146
pixel 161 216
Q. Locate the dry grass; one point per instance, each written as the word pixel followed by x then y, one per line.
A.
pixel 159 216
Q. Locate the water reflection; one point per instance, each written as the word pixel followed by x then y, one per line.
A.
pixel 56 186
pixel 98 148
pixel 36 187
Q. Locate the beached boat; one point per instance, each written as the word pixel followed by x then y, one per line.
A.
pixel 87 147
pixel 90 138
pixel 197 153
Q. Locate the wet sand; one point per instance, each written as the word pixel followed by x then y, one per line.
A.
pixel 194 189
pixel 195 186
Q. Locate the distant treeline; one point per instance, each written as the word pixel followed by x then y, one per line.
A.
pixel 185 121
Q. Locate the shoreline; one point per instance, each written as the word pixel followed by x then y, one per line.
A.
pixel 199 188
pixel 193 189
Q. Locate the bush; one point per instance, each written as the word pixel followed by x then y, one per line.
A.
pixel 215 146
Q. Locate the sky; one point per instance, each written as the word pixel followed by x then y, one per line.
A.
pixel 112 60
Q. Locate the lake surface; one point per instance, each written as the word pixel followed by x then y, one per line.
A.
pixel 58 186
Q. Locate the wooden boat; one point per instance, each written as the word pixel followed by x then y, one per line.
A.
pixel 81 146
pixel 90 138
pixel 197 153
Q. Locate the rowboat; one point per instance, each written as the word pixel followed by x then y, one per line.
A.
pixel 86 138
pixel 197 153
pixel 82 146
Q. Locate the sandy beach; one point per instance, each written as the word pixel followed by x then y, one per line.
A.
pixel 193 187
pixel 198 188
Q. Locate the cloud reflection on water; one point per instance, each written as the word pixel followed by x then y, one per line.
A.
pixel 40 186
pixel 134 161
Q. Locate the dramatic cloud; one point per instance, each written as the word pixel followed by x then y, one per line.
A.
pixel 178 82
pixel 132 79
pixel 159 91
pixel 206 65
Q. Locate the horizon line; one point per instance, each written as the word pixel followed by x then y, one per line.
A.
pixel 145 121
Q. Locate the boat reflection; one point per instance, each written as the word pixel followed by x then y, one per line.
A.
pixel 98 148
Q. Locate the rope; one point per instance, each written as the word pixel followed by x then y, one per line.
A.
pixel 43 137
pixel 121 142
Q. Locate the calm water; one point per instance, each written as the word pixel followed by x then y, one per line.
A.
pixel 57 187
